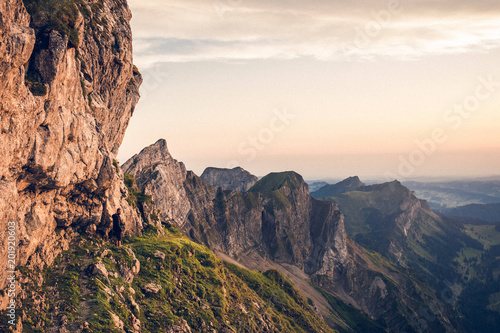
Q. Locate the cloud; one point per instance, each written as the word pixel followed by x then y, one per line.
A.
pixel 339 30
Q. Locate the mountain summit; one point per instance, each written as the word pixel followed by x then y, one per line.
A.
pixel 349 184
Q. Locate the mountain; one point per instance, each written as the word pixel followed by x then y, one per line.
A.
pixel 276 224
pixel 347 185
pixel 390 219
pixel 485 212
pixel 69 88
pixel 450 255
pixel 236 179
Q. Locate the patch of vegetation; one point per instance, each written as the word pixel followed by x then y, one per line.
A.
pixel 116 165
pixel 135 197
pixel 36 88
pixel 49 15
pixel 276 180
pixel 354 318
pixel 251 200
pixel 279 292
pixel 487 234
pixel 135 70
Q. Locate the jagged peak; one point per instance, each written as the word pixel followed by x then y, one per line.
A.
pixel 276 180
pixel 156 153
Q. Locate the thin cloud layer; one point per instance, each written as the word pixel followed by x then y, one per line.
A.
pixel 235 30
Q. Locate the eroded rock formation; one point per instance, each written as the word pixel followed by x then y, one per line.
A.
pixel 66 99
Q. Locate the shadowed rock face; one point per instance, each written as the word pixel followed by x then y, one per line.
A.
pixel 58 143
pixel 236 179
pixel 277 222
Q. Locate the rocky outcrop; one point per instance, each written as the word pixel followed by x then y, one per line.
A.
pixel 68 91
pixel 236 179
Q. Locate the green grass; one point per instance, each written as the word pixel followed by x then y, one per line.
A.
pixel 222 290
pixel 276 180
pixel 487 235
pixel 59 15
pixel 135 196
pixel 196 287
pixel 354 318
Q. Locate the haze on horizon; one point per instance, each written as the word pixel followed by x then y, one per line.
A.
pixel 330 89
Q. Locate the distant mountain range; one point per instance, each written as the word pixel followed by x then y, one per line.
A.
pixel 441 195
pixel 482 212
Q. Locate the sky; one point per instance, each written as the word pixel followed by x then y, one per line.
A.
pixel 397 89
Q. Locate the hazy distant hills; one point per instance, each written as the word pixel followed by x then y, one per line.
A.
pixel 485 212
pixel 457 193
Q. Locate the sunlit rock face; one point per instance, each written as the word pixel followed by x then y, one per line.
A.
pixel 66 99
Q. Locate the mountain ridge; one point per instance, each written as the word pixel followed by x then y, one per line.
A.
pixel 267 224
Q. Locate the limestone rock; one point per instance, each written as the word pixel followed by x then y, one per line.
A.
pixel 159 254
pixel 99 269
pixel 233 223
pixel 58 146
pixel 152 288
pixel 117 321
pixel 128 273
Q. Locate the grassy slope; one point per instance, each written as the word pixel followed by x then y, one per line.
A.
pixel 196 288
pixel 276 180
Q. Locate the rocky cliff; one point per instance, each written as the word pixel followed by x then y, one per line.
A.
pixel 236 179
pixel 276 223
pixel 68 91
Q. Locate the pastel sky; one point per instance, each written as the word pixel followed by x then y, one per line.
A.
pixel 380 89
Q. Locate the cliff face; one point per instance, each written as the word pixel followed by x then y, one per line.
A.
pixel 66 99
pixel 235 179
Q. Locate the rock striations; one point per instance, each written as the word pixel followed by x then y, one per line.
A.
pixel 68 91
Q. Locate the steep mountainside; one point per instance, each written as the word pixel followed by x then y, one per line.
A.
pixel 389 219
pixel 347 185
pixel 454 257
pixel 278 224
pixel 68 91
pixel 235 179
